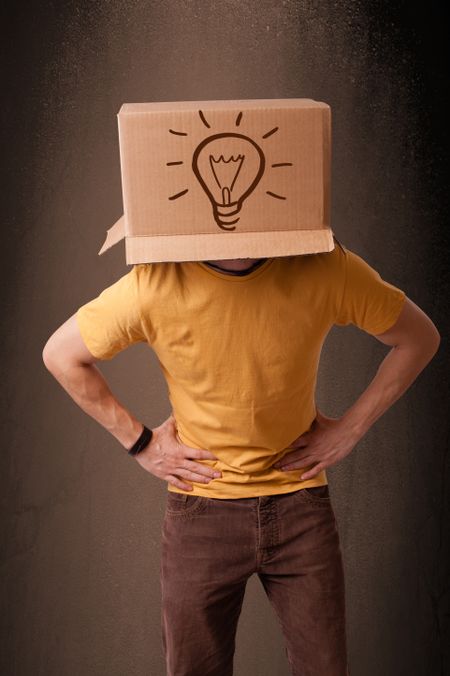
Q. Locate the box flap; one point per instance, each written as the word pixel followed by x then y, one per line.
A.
pixel 114 235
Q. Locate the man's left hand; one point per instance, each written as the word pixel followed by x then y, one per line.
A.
pixel 328 441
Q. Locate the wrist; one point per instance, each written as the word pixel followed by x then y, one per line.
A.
pixel 128 432
pixel 353 426
pixel 142 441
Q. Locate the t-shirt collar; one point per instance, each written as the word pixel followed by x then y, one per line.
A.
pixel 239 273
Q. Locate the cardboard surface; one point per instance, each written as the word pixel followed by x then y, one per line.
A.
pixel 209 180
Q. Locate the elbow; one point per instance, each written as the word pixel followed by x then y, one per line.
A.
pixel 423 344
pixel 428 338
pixel 430 343
pixel 433 338
pixel 436 341
pixel 46 357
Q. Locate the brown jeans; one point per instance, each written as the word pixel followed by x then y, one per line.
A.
pixel 211 546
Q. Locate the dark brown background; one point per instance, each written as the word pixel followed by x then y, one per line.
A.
pixel 81 520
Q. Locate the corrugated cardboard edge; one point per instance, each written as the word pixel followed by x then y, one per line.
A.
pixel 160 248
pixel 326 166
pixel 218 104
pixel 114 235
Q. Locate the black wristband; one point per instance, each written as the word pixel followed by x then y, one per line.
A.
pixel 142 442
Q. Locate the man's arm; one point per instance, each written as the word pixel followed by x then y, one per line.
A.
pixel 414 340
pixel 70 362
pixel 67 358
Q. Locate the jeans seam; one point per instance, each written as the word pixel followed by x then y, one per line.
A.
pixel 303 493
pixel 197 506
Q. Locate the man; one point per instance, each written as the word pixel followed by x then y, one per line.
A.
pixel 245 449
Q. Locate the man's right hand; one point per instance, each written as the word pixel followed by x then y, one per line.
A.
pixel 168 458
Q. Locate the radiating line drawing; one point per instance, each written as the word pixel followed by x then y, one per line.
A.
pixel 217 162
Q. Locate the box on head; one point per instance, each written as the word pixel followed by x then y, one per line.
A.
pixel 211 180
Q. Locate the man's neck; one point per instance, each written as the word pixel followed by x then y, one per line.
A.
pixel 235 264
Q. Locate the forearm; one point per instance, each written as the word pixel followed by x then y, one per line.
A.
pixel 396 373
pixel 87 387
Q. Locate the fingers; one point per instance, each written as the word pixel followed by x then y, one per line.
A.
pixel 199 453
pixel 173 460
pixel 192 475
pixel 308 474
pixel 188 474
pixel 294 464
pixel 311 473
pixel 201 470
pixel 171 479
pixel 290 463
pixel 202 477
pixel 196 452
pixel 176 480
pixel 302 441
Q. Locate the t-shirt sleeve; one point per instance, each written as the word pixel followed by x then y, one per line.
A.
pixel 111 322
pixel 367 300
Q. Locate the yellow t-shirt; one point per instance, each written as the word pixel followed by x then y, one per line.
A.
pixel 240 354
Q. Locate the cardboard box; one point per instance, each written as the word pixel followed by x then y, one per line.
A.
pixel 210 180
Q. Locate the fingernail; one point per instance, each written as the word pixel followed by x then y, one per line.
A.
pixel 217 474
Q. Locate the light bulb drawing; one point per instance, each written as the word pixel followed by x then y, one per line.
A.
pixel 219 173
pixel 228 167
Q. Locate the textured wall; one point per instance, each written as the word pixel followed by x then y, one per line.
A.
pixel 81 521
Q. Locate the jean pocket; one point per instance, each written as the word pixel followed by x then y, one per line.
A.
pixel 319 495
pixel 183 504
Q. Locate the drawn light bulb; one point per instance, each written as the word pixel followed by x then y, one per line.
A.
pixel 228 167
